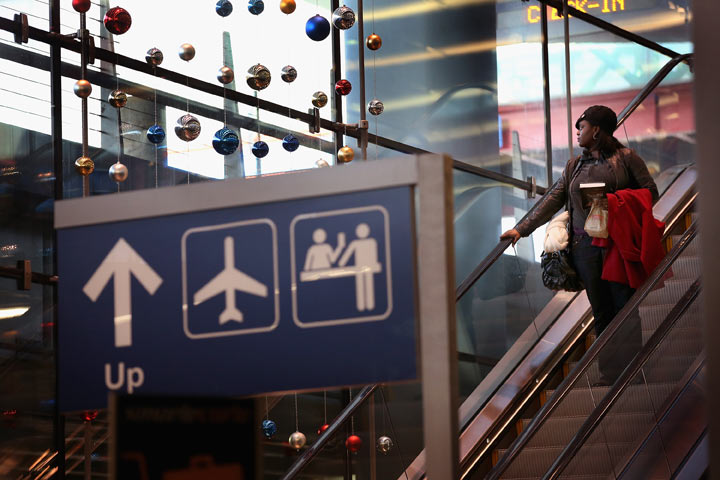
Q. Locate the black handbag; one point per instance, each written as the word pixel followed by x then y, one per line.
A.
pixel 558 272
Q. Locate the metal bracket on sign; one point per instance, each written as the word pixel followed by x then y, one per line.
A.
pixel 533 191
pixel 315 123
pixel 23 32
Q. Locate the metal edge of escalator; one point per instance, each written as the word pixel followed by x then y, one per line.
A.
pixel 546 411
pixel 681 402
pixel 496 398
pixel 622 383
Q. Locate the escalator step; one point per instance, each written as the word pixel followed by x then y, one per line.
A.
pixel 581 401
pixel 687 266
pixel 532 462
pixel 692 249
pixel 671 292
pixel 557 432
pixel 653 315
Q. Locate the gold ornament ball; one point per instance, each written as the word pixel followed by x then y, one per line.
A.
pixel 345 155
pixel 118 98
pixel 287 6
pixel 319 99
pixel 373 42
pixel 84 166
pixel 186 52
pixel 82 88
pixel 297 440
pixel 118 172
pixel 225 75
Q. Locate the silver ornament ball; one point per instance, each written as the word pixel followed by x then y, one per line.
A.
pixel 118 98
pixel 154 57
pixel 186 52
pixel 118 172
pixel 376 107
pixel 187 128
pixel 384 444
pixel 289 74
pixel 258 77
pixel 297 440
pixel 225 75
pixel 322 163
pixel 343 17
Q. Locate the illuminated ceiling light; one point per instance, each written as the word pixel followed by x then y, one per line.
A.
pixel 12 312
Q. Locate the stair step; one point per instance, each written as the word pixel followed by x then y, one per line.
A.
pixel 687 266
pixel 670 293
pixel 621 428
pixel 692 249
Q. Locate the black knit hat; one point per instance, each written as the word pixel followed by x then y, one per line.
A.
pixel 599 116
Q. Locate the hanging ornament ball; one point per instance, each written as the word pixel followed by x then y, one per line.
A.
pixel 186 52
pixel 117 20
pixel 118 98
pixel 260 149
pixel 384 444
pixel 82 88
pixel 223 8
pixel 290 142
pixel 89 415
pixel 343 87
pixel 225 75
pixel 154 57
pixel 373 41
pixel 319 99
pixel 289 74
pixel 376 107
pixel 187 128
pixel 81 6
pixel 156 134
pixel 225 141
pixel 269 428
pixel 353 443
pixel 297 440
pixel 322 429
pixel 322 163
pixel 317 28
pixel 345 155
pixel 256 7
pixel 258 77
pixel 343 17
pixel 84 166
pixel 287 6
pixel 118 172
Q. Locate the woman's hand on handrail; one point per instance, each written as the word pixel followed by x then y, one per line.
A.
pixel 511 234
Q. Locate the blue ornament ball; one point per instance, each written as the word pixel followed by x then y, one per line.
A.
pixel 269 428
pixel 223 8
pixel 256 7
pixel 290 142
pixel 225 141
pixel 156 134
pixel 260 149
pixel 317 28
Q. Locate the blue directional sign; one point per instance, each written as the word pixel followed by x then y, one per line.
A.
pixel 289 295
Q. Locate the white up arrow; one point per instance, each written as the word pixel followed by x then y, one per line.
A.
pixel 121 262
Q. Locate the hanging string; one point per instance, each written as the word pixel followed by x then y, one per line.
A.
pixel 296 414
pixel 325 407
pixel 267 409
pixel 375 81
pixel 352 417
pixel 120 139
pixel 156 122
pixel 224 108
pixel 187 144
pixel 392 429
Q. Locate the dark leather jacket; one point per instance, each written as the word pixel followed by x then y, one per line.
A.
pixel 630 172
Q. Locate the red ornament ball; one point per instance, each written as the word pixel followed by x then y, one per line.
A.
pixel 117 20
pixel 81 6
pixel 322 429
pixel 343 87
pixel 89 415
pixel 353 443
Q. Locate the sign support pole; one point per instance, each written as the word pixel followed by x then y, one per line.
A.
pixel 438 339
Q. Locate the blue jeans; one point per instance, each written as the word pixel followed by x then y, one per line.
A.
pixel 606 300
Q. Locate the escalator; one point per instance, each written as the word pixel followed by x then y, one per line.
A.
pixel 517 343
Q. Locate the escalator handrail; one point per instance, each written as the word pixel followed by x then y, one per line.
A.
pixel 618 388
pixel 590 356
pixel 496 252
pixel 651 85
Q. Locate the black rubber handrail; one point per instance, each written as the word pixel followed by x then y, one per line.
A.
pixel 609 27
pixel 618 388
pixel 590 356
